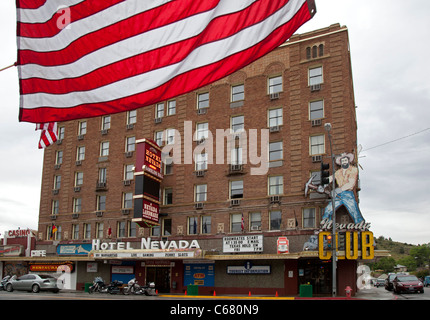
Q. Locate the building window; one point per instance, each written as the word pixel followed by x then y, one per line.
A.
pixel 77 205
pixel 275 84
pixel 168 166
pixel 275 151
pixel 236 222
pixel 167 227
pixel 59 157
pixel 75 231
pixel 275 219
pixel 309 218
pixel 315 76
pixel 99 230
pixel 61 133
pixel 237 93
pixel 276 185
pixel 158 137
pixel 82 128
pixel 236 156
pixel 121 229
pixel 275 117
pixel 321 50
pixel 131 117
pixel 127 200
pixel 132 229
pixel 201 160
pixel 203 100
pixel 206 224
pixel 171 107
pixel 102 175
pixel 236 189
pixel 55 207
pixel 130 144
pixel 79 179
pixel 192 225
pixel 87 230
pixel 255 221
pixel 317 145
pixel 80 153
pixel 168 196
pixel 101 203
pixel 170 133
pixel 201 192
pixel 57 182
pixel 155 231
pixel 237 124
pixel 128 172
pixel 104 149
pixel 316 110
pixel 202 131
pixel 159 110
pixel 106 123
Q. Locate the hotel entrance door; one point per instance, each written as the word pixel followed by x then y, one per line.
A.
pixel 160 276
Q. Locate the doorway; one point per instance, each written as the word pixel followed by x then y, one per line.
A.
pixel 160 276
pixel 317 273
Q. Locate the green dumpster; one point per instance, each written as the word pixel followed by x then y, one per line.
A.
pixel 192 290
pixel 87 286
pixel 306 290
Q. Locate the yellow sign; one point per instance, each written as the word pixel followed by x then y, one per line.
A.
pixel 351 245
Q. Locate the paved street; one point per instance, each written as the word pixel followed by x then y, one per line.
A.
pixel 369 294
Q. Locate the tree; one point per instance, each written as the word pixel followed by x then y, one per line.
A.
pixel 387 264
pixel 421 254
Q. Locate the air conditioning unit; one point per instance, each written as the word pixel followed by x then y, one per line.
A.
pixel 275 199
pixel 129 154
pixel 316 122
pixel 255 228
pixel 77 189
pixel 200 173
pixel 125 211
pixel 57 166
pixel 75 215
pixel 199 205
pixel 53 217
pixel 104 131
pixel 55 191
pixel 315 87
pixel 235 168
pixel 274 96
pixel 202 111
pixel 127 182
pixel 130 126
pixel 78 162
pixel 81 137
pixel 274 129
pixel 317 158
pixel 234 202
pixel 158 120
pixel 99 213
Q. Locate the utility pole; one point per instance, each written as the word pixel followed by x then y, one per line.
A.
pixel 327 127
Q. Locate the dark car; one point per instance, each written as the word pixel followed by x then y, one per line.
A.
pixel 407 283
pixel 389 281
pixel 33 282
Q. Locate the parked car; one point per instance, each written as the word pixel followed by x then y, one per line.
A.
pixel 33 282
pixel 427 281
pixel 379 283
pixel 389 281
pixel 407 283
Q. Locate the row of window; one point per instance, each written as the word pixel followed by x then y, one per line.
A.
pixel 236 191
pixel 195 225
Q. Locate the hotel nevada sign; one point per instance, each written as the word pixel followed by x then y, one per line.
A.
pixel 152 249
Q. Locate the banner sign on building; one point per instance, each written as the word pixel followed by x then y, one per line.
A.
pixel 250 243
pixel 199 274
pixel 248 268
pixel 148 178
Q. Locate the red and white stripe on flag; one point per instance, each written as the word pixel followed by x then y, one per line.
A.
pixel 48 135
pixel 88 58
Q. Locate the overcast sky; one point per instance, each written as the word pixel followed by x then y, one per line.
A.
pixel 389 41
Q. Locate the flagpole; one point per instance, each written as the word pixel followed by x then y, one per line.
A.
pixel 5 68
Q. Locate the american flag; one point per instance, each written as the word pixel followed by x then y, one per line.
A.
pixel 48 135
pixel 88 58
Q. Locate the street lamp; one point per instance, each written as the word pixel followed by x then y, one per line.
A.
pixel 327 127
